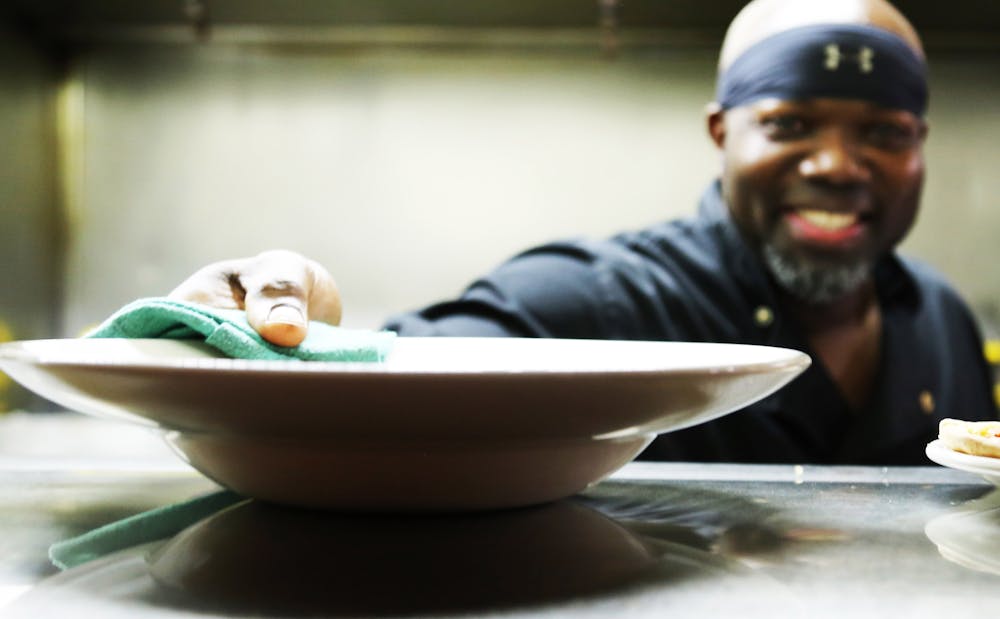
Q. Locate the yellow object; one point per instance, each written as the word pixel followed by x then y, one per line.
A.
pixel 6 335
pixel 763 316
pixel 992 351
pixel 926 402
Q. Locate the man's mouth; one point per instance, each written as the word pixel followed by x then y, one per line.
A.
pixel 828 220
pixel 824 227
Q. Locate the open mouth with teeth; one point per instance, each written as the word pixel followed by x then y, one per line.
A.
pixel 825 227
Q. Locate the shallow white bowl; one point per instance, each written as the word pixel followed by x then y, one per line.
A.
pixel 443 424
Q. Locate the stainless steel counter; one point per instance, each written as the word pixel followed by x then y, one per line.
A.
pixel 656 540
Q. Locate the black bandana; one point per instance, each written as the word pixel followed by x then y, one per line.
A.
pixel 842 61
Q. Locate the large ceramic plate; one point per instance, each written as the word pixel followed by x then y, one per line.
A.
pixel 444 423
pixel 987 468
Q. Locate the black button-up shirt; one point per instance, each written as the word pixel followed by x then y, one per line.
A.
pixel 696 280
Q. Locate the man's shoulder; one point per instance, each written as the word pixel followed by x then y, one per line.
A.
pixel 932 288
pixel 700 239
pixel 677 239
pixel 668 240
pixel 928 279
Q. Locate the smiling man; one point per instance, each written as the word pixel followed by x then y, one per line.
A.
pixel 821 127
pixel 819 117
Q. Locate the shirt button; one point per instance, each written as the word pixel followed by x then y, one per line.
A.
pixel 926 402
pixel 763 316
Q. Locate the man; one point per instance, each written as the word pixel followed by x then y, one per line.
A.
pixel 819 120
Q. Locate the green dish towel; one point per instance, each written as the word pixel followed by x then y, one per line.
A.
pixel 149 526
pixel 229 332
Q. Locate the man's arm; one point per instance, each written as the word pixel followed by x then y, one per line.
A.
pixel 561 290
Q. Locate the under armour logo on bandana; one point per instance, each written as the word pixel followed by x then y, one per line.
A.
pixel 834 56
pixel 828 61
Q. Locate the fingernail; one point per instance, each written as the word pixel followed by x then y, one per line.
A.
pixel 285 314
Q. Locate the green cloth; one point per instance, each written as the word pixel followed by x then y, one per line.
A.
pixel 150 526
pixel 229 332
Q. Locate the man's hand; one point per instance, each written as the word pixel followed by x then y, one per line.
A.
pixel 278 289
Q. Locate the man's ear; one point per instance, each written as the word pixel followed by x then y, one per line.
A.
pixel 715 118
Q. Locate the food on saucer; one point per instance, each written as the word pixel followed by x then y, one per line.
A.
pixel 978 438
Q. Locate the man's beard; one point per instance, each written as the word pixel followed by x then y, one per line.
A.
pixel 814 283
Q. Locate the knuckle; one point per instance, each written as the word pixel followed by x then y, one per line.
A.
pixel 281 288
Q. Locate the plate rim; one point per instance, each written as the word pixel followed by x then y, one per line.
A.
pixel 794 361
pixel 984 466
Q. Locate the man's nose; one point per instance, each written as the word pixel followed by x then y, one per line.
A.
pixel 836 158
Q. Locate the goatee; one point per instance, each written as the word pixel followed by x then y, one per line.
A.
pixel 814 283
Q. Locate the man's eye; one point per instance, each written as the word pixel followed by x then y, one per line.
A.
pixel 892 135
pixel 783 127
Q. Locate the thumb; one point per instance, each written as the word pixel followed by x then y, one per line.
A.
pixel 283 323
pixel 279 286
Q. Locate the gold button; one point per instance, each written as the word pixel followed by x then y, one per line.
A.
pixel 763 316
pixel 926 402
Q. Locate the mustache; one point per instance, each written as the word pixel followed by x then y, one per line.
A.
pixel 842 197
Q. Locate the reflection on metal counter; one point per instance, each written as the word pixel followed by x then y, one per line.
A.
pixel 970 535
pixel 658 539
pixel 265 560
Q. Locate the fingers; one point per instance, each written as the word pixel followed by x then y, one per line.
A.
pixel 216 285
pixel 283 290
pixel 280 291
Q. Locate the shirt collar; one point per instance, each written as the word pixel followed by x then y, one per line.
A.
pixel 738 258
pixel 895 283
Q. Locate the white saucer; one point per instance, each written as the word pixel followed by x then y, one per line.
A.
pixel 987 468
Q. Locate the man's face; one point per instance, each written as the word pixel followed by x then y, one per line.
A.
pixel 823 187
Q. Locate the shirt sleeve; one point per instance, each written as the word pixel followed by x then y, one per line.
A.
pixel 560 290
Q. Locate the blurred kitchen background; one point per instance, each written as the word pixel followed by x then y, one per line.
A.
pixel 408 146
